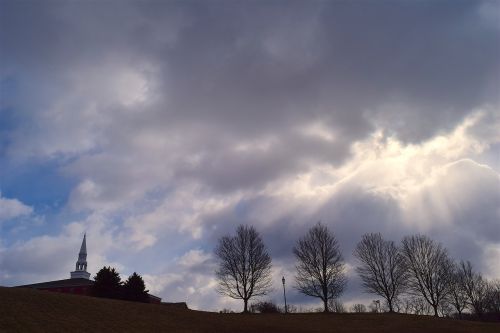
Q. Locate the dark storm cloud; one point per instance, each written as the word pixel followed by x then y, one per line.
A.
pixel 232 169
pixel 437 59
pixel 257 68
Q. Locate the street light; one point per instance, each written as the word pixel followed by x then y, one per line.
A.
pixel 284 295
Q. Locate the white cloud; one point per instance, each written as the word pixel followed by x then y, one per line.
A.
pixel 192 280
pixel 182 212
pixel 12 208
pixel 52 257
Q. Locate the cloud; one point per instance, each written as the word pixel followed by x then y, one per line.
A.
pixel 12 208
pixel 51 257
pixel 190 280
pixel 175 122
pixel 431 189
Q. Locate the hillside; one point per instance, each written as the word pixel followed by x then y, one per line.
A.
pixel 23 310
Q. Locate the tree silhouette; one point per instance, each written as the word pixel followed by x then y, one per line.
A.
pixel 335 305
pixel 107 283
pixel 358 308
pixel 475 287
pixel 493 304
pixel 457 296
pixel 320 267
pixel 134 289
pixel 244 265
pixel 381 267
pixel 429 269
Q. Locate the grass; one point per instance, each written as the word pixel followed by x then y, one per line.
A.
pixel 24 310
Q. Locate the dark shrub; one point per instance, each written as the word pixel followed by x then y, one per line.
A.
pixel 264 307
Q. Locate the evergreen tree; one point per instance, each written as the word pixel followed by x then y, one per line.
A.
pixel 135 289
pixel 107 283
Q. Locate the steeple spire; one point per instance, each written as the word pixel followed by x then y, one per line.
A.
pixel 81 264
pixel 83 248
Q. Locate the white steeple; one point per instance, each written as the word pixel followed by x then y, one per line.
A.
pixel 81 264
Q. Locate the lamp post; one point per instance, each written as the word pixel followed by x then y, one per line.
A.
pixel 284 294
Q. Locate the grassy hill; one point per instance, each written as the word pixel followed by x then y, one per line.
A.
pixel 23 310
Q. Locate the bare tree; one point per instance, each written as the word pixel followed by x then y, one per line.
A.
pixel 419 306
pixel 475 287
pixel 320 267
pixel 401 305
pixel 244 265
pixel 429 269
pixel 493 305
pixel 457 296
pixel 358 308
pixel 446 309
pixel 381 267
pixel 336 305
pixel 412 305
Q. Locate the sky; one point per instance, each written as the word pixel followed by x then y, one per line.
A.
pixel 157 127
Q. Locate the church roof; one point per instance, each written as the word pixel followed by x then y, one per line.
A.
pixel 69 283
pixel 59 284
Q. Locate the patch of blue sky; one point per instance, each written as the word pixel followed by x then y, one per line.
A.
pixel 8 88
pixel 39 184
pixel 20 229
pixel 242 208
pixel 24 228
pixel 8 119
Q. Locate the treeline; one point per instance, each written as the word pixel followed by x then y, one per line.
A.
pixel 108 284
pixel 419 276
pixel 415 276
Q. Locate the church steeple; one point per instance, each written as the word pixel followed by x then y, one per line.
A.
pixel 81 263
pixel 83 248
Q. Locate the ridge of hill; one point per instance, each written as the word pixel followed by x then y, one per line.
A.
pixel 25 310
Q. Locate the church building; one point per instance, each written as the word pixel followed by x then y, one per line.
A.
pixel 79 282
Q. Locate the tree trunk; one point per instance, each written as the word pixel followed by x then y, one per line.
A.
pixel 325 302
pixel 245 309
pixel 435 311
pixel 391 309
